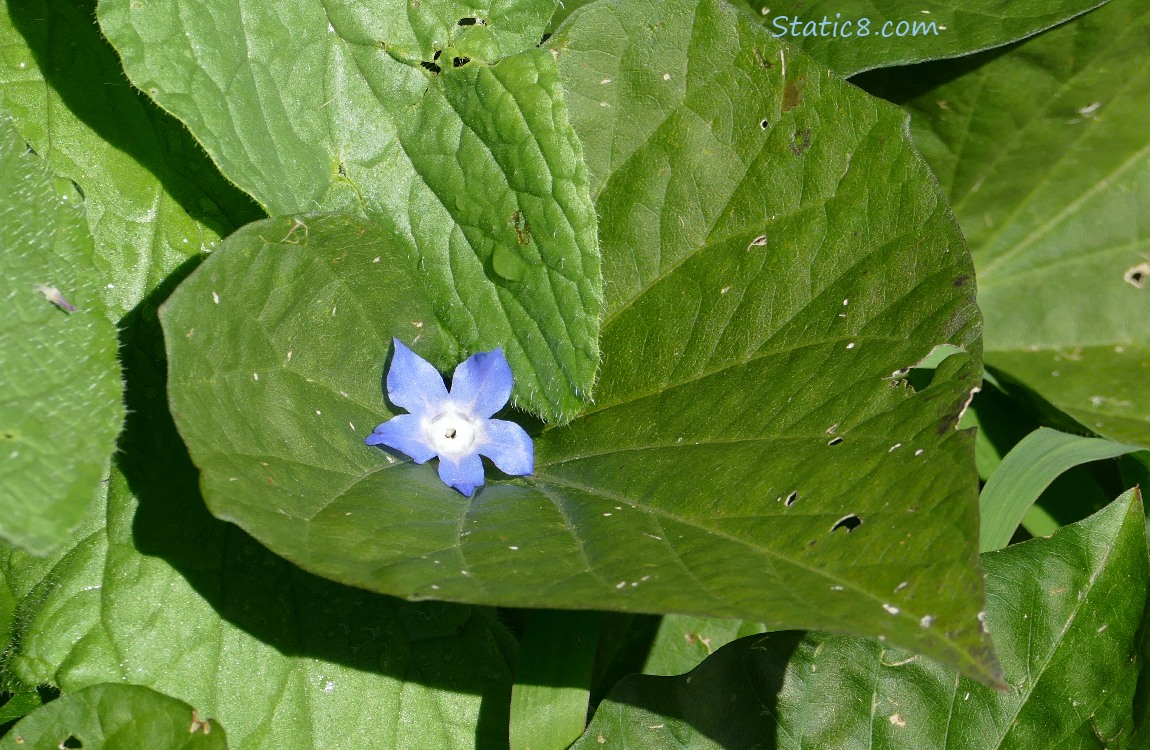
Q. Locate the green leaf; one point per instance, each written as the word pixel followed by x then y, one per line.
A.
pixel 61 409
pixel 1050 189
pixel 1064 612
pixel 851 36
pixel 746 419
pixel 683 642
pixel 553 679
pixel 18 706
pixel 156 592
pixel 473 172
pixel 1027 470
pixel 152 196
pixel 115 717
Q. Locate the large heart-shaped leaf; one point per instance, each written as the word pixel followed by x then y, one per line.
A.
pixel 464 161
pixel 851 36
pixel 764 282
pixel 156 592
pixel 152 197
pixel 1064 612
pixel 116 717
pixel 1051 189
pixel 61 409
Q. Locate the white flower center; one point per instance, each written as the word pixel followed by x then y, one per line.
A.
pixel 453 434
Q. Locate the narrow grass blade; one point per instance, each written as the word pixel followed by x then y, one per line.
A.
pixel 553 680
pixel 1026 471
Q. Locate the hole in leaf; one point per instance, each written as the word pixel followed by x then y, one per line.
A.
pixel 791 498
pixel 471 22
pixel 431 66
pixel 1137 275
pixel 72 741
pixel 850 523
pixel 764 124
pixel 921 375
pixel 834 441
pixel 459 62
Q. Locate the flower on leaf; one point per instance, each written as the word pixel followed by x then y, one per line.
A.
pixel 457 426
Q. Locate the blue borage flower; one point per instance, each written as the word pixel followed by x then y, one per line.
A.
pixel 455 426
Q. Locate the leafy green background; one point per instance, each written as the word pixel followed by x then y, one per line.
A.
pixel 472 172
pixel 1050 190
pixel 1065 613
pixel 116 717
pixel 153 590
pixel 61 407
pixel 152 198
pixel 735 255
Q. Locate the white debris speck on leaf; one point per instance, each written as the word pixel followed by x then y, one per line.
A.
pixel 604 104
pixel 918 452
pixel 289 355
pixel 620 584
pixel 605 81
pixel 666 76
pixel 606 514
pixel 376 259
pixel 1103 628
pixel 255 376
pixel 901 586
pixel 890 608
pixel 328 686
pixel 215 297
pixel 926 621
pixel 851 345
pixel 897 720
pixel 846 301
pixel 836 588
pixel 513 549
pixel 1089 109
pixel 318 413
pixel 832 428
pixel 894 447
pixel 724 290
pixel 966 697
pixel 435 587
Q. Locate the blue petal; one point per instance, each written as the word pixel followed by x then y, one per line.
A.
pixel 482 383
pixel 509 447
pixel 413 384
pixel 464 473
pixel 404 433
